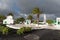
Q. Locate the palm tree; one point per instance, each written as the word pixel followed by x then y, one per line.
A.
pixel 30 17
pixel 38 12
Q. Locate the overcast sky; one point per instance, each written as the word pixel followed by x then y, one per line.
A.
pixel 23 7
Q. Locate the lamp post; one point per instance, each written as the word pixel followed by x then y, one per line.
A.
pixel 44 18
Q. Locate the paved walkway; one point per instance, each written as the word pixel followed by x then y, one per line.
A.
pixel 43 34
pixel 18 26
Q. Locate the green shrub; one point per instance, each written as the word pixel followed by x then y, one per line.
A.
pixel 3 25
pixel 20 31
pixel 27 29
pixel 1 28
pixel 5 31
pixel 49 21
pixel 35 22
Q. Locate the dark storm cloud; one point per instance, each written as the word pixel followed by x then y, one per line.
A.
pixel 19 7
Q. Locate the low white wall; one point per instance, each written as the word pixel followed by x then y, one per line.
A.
pixel 10 26
pixel 33 26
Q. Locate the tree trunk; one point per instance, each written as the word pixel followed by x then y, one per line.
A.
pixel 37 18
pixel 31 20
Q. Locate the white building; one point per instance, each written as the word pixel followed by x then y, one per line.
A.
pixel 58 21
pixel 44 18
pixel 28 22
pixel 8 20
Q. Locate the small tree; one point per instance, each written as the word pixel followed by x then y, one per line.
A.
pixel 18 20
pixel 22 19
pixel 2 17
pixel 30 17
pixel 49 22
